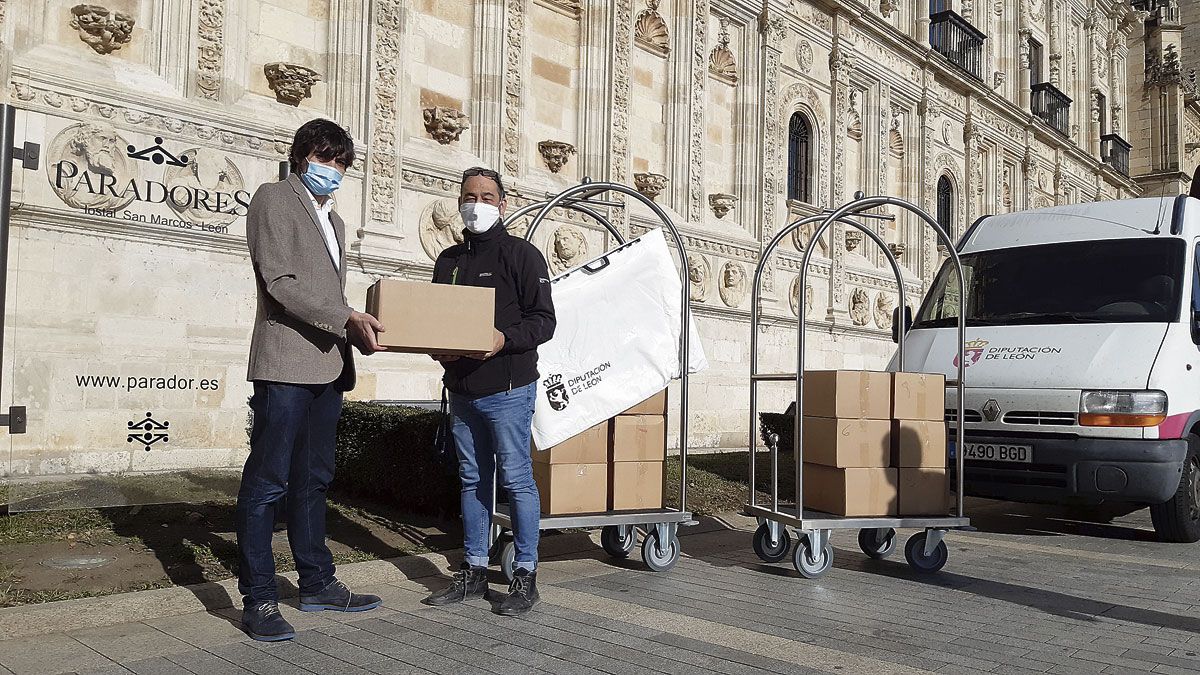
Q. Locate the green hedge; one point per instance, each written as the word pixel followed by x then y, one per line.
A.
pixel 385 453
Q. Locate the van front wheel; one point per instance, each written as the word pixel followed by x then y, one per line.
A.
pixel 1178 520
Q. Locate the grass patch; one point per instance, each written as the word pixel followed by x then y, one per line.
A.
pixel 718 482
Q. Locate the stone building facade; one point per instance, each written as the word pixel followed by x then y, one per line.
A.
pixel 130 295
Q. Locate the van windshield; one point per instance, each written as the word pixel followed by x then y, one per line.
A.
pixel 1111 281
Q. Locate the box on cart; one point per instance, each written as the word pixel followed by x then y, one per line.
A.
pixel 843 443
pixel 924 492
pixel 848 394
pixel 918 444
pixel 572 488
pixel 918 396
pixel 851 492
pixel 588 447
pixel 635 485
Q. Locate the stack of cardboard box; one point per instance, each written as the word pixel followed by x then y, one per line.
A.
pixel 919 443
pixel 874 443
pixel 616 465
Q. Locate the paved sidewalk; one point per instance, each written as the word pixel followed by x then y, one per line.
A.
pixel 1032 592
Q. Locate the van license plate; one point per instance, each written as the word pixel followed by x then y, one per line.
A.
pixel 998 452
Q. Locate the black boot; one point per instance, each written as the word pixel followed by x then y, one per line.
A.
pixel 337 598
pixel 264 623
pixel 522 594
pixel 468 583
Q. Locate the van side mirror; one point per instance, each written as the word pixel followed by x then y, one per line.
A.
pixel 896 322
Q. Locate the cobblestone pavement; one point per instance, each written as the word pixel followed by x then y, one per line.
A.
pixel 1035 590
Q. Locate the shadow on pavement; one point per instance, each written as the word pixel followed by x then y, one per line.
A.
pixel 1100 521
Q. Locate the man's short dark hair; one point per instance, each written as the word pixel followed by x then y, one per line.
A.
pixel 325 139
pixel 486 173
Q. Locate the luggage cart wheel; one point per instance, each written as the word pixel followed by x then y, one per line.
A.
pixel 877 543
pixel 920 559
pixel 508 558
pixel 656 561
pixel 618 540
pixel 811 566
pixel 765 550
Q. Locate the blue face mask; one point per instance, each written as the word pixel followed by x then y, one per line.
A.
pixel 321 180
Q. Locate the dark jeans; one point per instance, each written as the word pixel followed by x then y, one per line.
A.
pixel 291 454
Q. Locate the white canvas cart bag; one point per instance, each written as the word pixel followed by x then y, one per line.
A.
pixel 617 341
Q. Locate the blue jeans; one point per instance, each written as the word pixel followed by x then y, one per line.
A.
pixel 292 454
pixel 488 430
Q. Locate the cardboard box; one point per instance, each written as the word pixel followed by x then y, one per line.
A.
pixel 919 444
pixel 847 444
pixel 638 438
pixel 572 488
pixel 918 396
pixel 848 394
pixel 924 492
pixel 425 318
pixel 851 492
pixel 635 485
pixel 655 405
pixel 588 447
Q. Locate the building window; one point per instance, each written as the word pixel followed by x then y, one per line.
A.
pixel 1102 107
pixel 799 185
pixel 1035 62
pixel 945 205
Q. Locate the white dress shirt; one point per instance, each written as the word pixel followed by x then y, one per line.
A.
pixel 331 242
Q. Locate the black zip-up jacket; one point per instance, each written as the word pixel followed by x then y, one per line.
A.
pixel 524 310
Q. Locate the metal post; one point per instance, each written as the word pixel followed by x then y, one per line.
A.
pixel 8 124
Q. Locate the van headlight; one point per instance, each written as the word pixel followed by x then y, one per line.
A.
pixel 1122 408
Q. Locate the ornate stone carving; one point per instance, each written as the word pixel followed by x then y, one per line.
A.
pixel 382 154
pixel 804 56
pixel 898 250
pixel 440 227
pixel 699 274
pixel 651 30
pixel 998 79
pixel 514 63
pixel 445 125
pixel 291 83
pixel 100 150
pixel 883 310
pixel 1164 70
pixel 650 184
pixel 721 204
pixel 853 239
pixel 721 61
pixel 860 307
pixel 210 57
pixel 888 7
pixel 622 101
pixel 556 154
pixel 794 298
pixel 697 97
pixel 1006 192
pixel 854 126
pixel 896 134
pixel 102 30
pixel 568 249
pixel 733 284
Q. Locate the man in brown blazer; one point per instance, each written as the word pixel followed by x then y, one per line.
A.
pixel 300 364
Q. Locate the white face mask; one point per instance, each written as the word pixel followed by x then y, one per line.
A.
pixel 479 217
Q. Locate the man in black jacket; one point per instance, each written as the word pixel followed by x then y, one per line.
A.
pixel 492 397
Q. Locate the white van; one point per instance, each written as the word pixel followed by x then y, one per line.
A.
pixel 1083 356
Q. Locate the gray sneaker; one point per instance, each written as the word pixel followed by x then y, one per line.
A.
pixel 337 598
pixel 469 583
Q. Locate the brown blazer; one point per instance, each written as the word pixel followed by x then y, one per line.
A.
pixel 300 327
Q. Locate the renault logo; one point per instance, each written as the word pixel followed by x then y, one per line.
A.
pixel 991 410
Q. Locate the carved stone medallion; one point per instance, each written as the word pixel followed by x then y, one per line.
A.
pixel 81 156
pixel 883 311
pixel 699 274
pixel 568 249
pixel 860 307
pixel 441 227
pixel 804 56
pixel 208 171
pixel 794 298
pixel 733 284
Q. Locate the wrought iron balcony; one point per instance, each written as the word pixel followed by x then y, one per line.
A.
pixel 956 39
pixel 1114 151
pixel 1052 106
